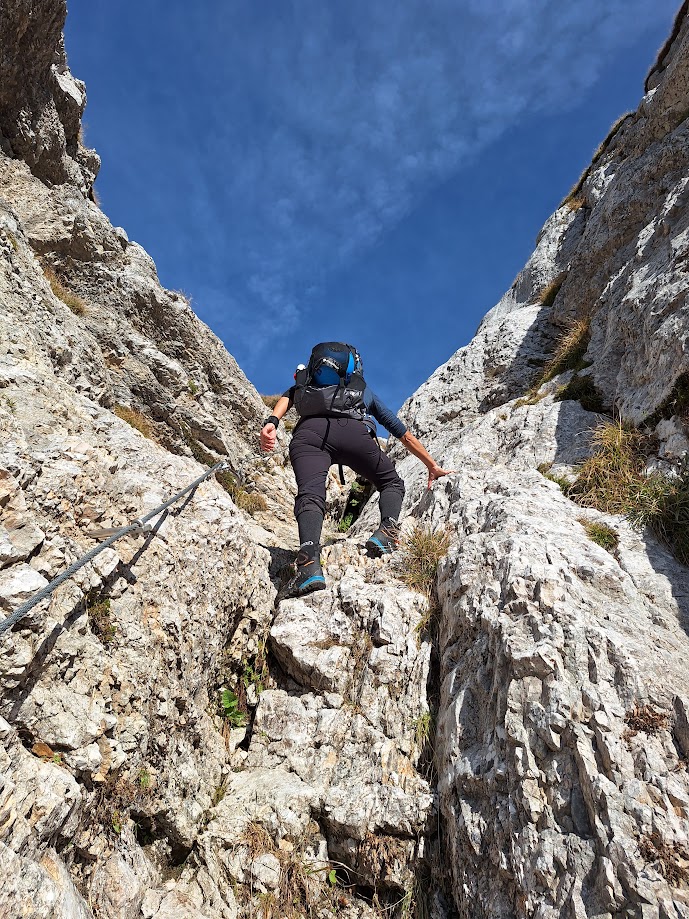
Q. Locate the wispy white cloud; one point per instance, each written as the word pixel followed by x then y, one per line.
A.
pixel 329 120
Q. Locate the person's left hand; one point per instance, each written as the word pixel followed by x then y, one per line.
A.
pixel 268 437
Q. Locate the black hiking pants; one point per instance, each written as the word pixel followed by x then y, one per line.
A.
pixel 317 443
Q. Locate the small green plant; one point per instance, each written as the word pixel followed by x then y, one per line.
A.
pixel 601 534
pixel 98 612
pixel 75 303
pixel 359 493
pixel 144 779
pixel 116 822
pixel 11 405
pixel 218 795
pixel 423 728
pixel 12 238
pixel 229 709
pixel 256 672
pixel 192 387
pixel 421 551
pixel 550 291
pixel 563 483
pixel 583 390
pixel 135 419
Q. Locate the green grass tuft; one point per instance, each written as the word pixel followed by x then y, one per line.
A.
pixel 614 481
pixel 601 534
pixel 570 350
pixel 420 552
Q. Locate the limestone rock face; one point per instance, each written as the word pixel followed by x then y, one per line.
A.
pixel 561 722
pixel 175 740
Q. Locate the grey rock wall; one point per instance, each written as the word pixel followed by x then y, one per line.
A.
pixel 557 786
pixel 561 739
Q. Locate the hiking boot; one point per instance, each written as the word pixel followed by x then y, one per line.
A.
pixel 309 576
pixel 385 539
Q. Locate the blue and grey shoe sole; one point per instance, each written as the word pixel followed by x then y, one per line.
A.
pixel 377 548
pixel 317 582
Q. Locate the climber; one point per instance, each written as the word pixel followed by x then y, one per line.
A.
pixel 336 409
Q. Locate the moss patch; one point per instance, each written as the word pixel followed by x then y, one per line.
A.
pixel 98 613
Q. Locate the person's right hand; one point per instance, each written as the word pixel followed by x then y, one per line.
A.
pixel 268 437
pixel 437 472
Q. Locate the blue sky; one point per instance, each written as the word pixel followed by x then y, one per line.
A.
pixel 369 171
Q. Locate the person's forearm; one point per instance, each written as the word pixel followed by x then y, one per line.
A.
pixel 282 406
pixel 418 450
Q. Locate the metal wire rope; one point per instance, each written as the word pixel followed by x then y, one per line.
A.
pixel 140 525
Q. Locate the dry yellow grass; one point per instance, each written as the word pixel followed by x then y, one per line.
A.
pixel 570 350
pixel 550 291
pixel 62 292
pixel 136 419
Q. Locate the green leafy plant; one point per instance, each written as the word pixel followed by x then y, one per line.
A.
pixel 229 709
pixel 192 387
pixel 11 405
pixel 144 779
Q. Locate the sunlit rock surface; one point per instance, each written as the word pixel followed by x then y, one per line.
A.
pixel 177 744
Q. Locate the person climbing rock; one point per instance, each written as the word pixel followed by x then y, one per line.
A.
pixel 336 425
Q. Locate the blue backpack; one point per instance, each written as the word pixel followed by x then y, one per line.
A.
pixel 332 384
